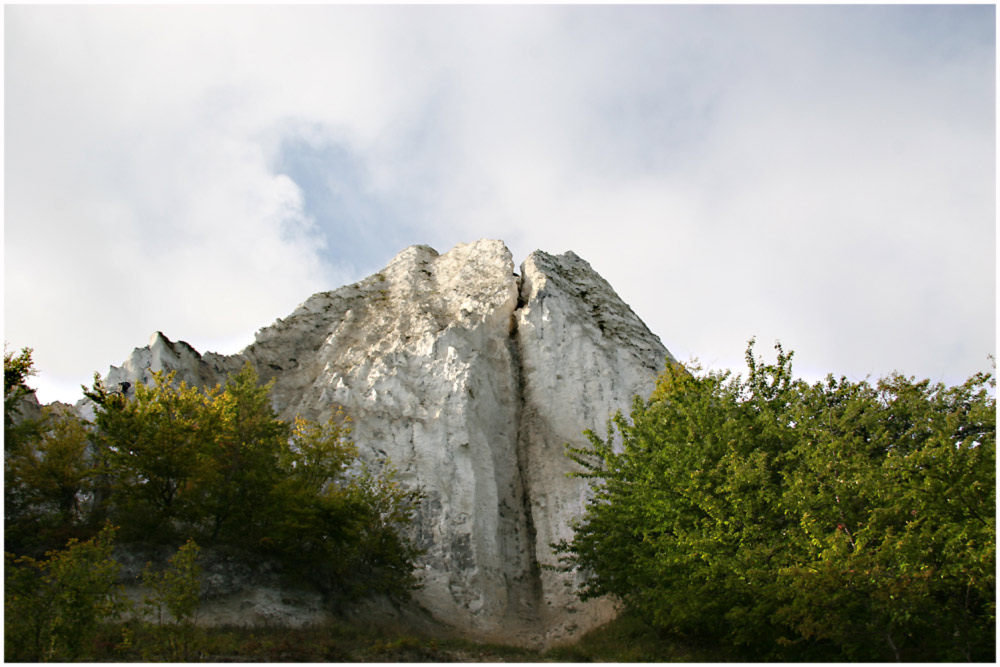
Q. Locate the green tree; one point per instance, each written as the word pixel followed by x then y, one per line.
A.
pixel 46 467
pixel 47 478
pixel 243 461
pixel 338 521
pixel 380 557
pixel 219 466
pixel 799 521
pixel 152 448
pixel 16 371
pixel 20 432
pixel 310 499
pixel 906 472
pixel 52 607
pixel 176 590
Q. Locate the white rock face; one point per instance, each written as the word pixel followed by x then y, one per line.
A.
pixel 469 379
pixel 584 355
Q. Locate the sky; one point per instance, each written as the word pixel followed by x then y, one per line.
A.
pixel 822 176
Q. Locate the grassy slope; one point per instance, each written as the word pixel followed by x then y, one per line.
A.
pixel 624 640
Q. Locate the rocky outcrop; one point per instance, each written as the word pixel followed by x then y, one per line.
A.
pixel 470 379
pixel 584 354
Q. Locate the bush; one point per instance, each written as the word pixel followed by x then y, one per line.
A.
pixel 839 520
pixel 176 590
pixel 52 608
pixel 171 463
pixel 221 467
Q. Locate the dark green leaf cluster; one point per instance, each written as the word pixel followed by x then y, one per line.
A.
pixel 66 606
pixel 44 464
pixel 16 371
pixel 841 520
pixel 53 607
pixel 175 590
pixel 169 462
pixel 222 468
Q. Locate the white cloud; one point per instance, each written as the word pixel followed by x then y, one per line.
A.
pixel 822 175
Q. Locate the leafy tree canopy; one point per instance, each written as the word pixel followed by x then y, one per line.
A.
pixel 836 520
pixel 169 463
pixel 16 371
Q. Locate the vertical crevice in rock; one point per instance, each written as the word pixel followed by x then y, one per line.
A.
pixel 533 586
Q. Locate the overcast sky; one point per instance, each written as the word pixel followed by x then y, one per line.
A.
pixel 822 176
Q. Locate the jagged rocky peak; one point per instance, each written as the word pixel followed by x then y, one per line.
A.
pixel 596 302
pixel 470 379
pixel 164 355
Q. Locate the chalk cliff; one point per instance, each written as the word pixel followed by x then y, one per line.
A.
pixel 470 379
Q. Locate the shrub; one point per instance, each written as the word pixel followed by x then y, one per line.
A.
pixel 52 607
pixel 176 590
pixel 838 520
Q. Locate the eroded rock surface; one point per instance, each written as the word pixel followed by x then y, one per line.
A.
pixel 470 379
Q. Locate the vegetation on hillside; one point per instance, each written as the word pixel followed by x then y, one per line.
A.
pixel 169 464
pixel 757 518
pixel 840 520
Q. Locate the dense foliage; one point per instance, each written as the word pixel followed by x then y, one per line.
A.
pixel 841 520
pixel 52 607
pixel 168 463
